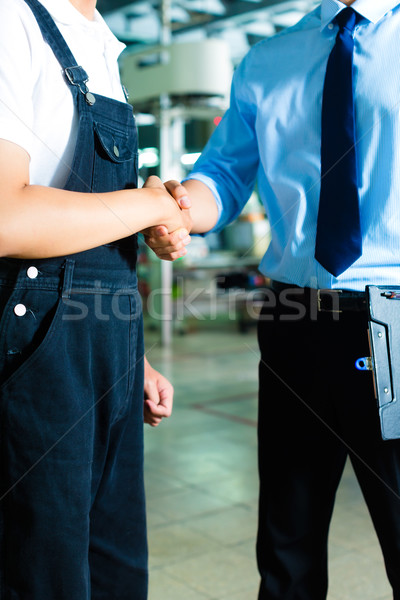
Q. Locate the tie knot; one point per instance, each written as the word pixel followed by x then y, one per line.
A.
pixel 348 19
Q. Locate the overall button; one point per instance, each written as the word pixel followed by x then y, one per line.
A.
pixel 20 310
pixel 32 272
pixel 90 99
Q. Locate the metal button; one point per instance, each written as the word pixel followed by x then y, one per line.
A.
pixel 32 272
pixel 330 26
pixel 90 99
pixel 116 151
pixel 20 310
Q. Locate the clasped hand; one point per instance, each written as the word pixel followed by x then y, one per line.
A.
pixel 169 240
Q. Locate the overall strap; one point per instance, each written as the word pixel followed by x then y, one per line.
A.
pixel 75 75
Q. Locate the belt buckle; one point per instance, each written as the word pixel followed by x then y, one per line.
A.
pixel 335 300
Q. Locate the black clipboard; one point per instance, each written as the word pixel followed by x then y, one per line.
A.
pixel 384 338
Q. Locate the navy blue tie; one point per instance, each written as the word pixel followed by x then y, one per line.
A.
pixel 339 242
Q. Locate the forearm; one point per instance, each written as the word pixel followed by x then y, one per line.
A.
pixel 40 222
pixel 204 210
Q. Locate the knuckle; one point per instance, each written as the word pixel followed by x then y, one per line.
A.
pixel 175 247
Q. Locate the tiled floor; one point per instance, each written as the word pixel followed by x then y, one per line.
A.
pixel 201 482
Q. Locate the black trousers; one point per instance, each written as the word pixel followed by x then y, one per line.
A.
pixel 315 409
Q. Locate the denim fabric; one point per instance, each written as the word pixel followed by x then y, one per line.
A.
pixel 71 391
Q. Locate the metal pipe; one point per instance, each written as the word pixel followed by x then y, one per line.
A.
pixel 165 126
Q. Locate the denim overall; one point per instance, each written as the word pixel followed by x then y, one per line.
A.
pixel 72 501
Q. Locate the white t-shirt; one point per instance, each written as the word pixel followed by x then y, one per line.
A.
pixel 37 110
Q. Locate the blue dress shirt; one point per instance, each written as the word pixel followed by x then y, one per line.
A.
pixel 272 133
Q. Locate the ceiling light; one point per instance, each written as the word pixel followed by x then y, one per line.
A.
pixel 144 119
pixel 149 157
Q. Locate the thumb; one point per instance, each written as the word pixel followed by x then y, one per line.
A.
pixel 179 193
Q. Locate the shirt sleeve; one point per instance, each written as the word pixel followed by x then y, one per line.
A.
pixel 16 81
pixel 229 163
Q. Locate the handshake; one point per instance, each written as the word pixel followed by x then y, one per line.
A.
pixel 169 238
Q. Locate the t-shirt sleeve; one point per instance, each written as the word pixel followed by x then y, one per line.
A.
pixel 16 77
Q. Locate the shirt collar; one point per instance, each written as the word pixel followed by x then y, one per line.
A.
pixel 63 12
pixel 372 10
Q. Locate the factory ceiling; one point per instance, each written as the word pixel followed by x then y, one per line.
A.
pixel 241 22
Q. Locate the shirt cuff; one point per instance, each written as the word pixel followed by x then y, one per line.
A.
pixel 211 185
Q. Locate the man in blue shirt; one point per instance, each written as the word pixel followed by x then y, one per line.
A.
pixel 315 408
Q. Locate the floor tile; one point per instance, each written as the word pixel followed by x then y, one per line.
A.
pixel 167 588
pixel 170 544
pixel 160 484
pixel 238 487
pixel 217 574
pixel 186 504
pixel 229 526
pixel 249 594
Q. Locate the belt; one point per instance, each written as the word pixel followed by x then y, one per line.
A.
pixel 327 300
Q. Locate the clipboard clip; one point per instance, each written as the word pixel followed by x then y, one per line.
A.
pixel 365 364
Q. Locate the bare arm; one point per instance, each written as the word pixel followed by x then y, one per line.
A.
pixel 197 197
pixel 41 222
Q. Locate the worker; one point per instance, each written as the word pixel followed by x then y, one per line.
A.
pixel 71 344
